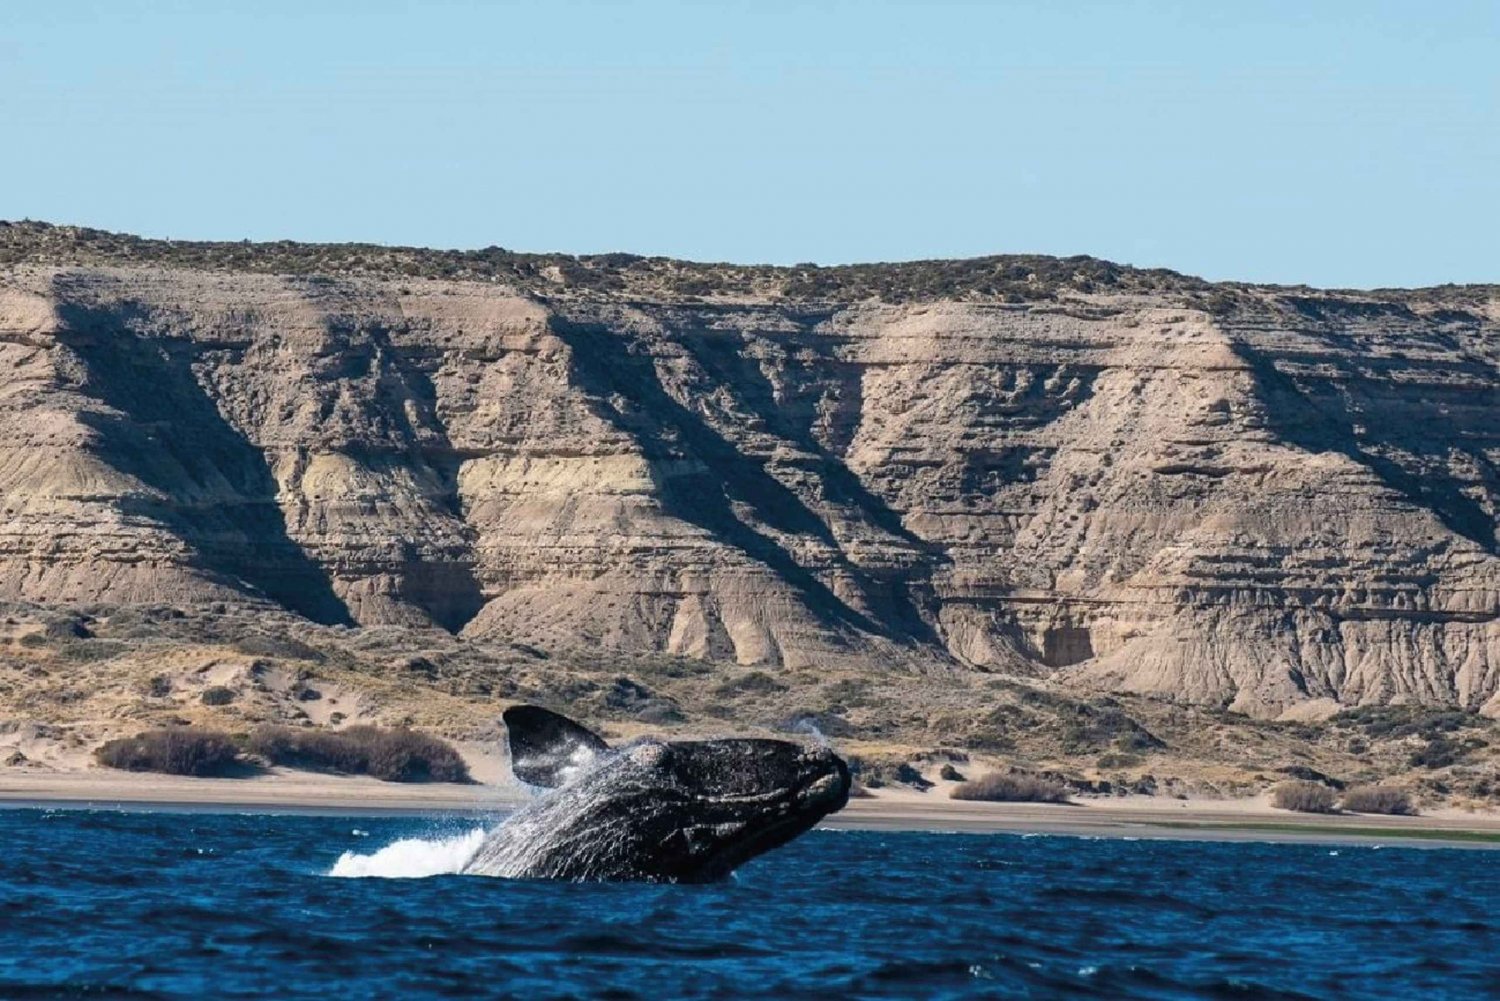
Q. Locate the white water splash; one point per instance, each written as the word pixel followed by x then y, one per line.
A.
pixel 807 728
pixel 412 858
pixel 580 758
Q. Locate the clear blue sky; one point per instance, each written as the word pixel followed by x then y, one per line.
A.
pixel 1336 143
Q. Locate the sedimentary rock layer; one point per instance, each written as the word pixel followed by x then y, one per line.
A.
pixel 1285 499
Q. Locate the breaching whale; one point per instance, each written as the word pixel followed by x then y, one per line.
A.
pixel 682 811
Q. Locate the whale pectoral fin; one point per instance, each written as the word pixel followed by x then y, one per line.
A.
pixel 547 749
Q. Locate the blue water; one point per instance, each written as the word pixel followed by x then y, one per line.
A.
pixel 108 904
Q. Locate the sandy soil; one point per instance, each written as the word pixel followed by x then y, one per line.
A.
pixel 1139 816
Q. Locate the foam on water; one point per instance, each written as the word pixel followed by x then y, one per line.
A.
pixel 412 858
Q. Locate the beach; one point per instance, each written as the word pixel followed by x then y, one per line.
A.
pixel 285 791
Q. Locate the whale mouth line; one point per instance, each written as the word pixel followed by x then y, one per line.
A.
pixel 757 839
pixel 817 786
pixel 798 808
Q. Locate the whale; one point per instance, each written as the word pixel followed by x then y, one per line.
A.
pixel 652 810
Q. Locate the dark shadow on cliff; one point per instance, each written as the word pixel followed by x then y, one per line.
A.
pixel 726 357
pixel 445 589
pixel 218 496
pixel 605 367
pixel 1409 451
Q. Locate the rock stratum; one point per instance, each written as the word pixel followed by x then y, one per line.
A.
pixel 1271 500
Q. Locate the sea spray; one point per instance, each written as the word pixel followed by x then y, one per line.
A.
pixel 807 727
pixel 412 858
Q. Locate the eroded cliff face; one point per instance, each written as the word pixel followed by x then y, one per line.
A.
pixel 1290 502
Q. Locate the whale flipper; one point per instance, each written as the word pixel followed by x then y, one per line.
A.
pixel 547 749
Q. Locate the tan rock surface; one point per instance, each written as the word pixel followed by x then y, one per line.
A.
pixel 1288 500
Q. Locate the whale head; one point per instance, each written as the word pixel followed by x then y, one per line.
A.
pixel 656 810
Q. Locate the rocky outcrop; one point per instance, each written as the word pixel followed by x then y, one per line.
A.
pixel 1261 500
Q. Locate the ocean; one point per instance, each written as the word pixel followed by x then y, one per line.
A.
pixel 194 905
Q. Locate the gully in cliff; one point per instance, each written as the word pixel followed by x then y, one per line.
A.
pixel 659 811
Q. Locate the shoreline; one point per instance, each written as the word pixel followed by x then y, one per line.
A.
pixel 301 793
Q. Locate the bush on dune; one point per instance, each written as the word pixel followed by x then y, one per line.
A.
pixel 395 755
pixel 217 695
pixel 283 647
pixel 313 750
pixel 1378 799
pixel 175 751
pixel 1008 787
pixel 1304 797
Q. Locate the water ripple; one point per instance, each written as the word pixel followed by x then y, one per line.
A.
pixel 102 904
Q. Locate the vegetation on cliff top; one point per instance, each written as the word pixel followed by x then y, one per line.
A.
pixel 995 279
pixel 1008 278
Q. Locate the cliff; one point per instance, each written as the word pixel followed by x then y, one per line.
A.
pixel 1268 499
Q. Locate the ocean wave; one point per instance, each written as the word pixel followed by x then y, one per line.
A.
pixel 128 906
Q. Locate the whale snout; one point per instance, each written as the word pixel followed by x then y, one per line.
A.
pixel 829 791
pixel 827 788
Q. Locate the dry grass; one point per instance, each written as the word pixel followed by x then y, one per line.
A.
pixel 1378 799
pixel 395 755
pixel 173 751
pixel 454 688
pixel 1304 797
pixel 1010 787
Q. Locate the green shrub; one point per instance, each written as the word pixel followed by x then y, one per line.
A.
pixel 1312 775
pixel 283 647
pixel 1395 722
pixel 218 695
pixel 1117 759
pixel 754 683
pixel 1378 799
pixel 876 773
pixel 1440 752
pixel 66 628
pixel 88 651
pixel 174 751
pixel 1304 797
pixel 1010 787
pixel 394 755
pixel 853 692
pixel 1094 727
